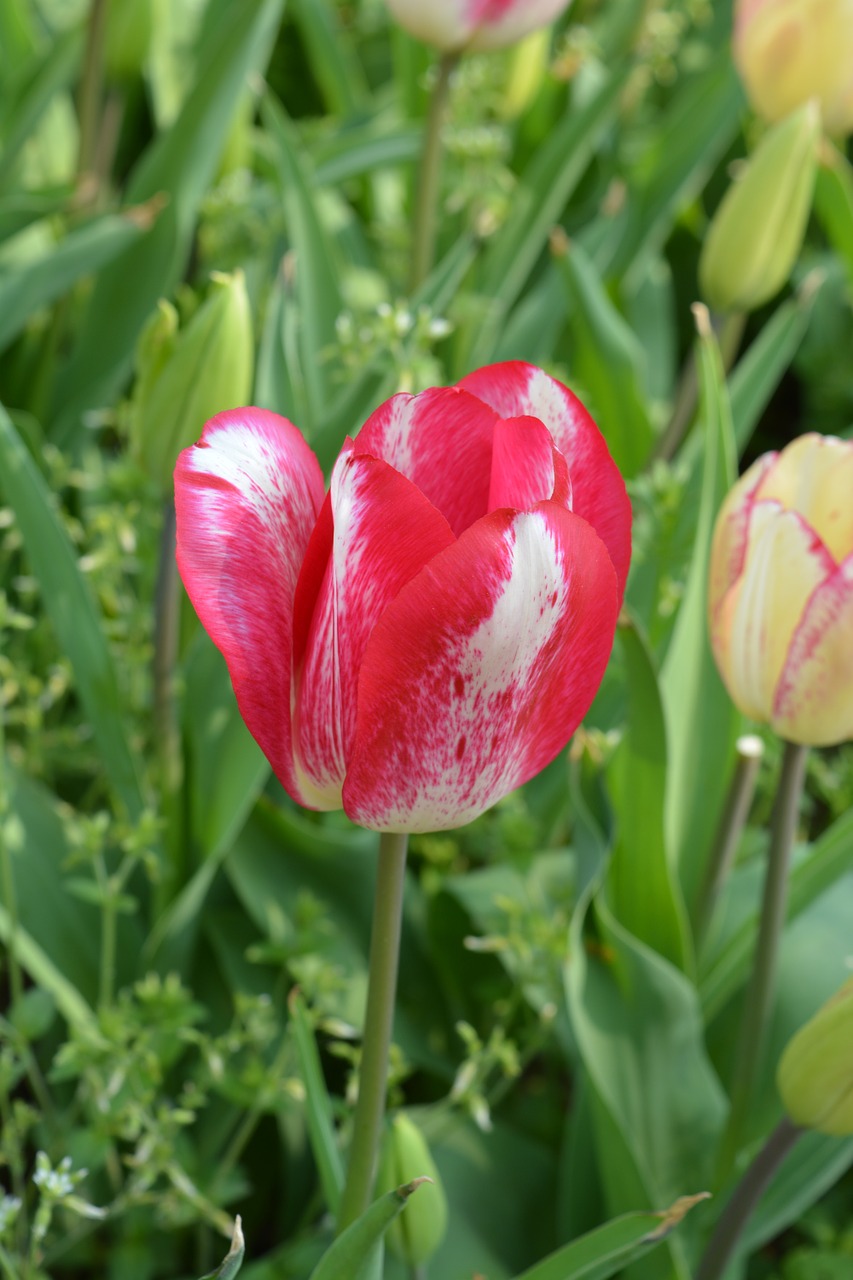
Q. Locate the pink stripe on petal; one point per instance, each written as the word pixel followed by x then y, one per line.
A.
pixel 731 531
pixel 246 498
pixel 377 533
pixel 514 388
pixel 522 464
pixel 480 670
pixel 442 440
pixel 814 696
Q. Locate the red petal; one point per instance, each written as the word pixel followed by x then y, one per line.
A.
pixel 480 670
pixel 442 440
pixel 246 497
pixel 598 490
pixel 526 467
pixel 376 532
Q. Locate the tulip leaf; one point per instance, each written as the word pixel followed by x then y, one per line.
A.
pixel 333 60
pixel 68 602
pixel 702 723
pixel 353 1255
pixel 46 77
pixel 657 1107
pixel 642 890
pixel 356 151
pixel 834 202
pixel 40 281
pixel 233 1260
pixel 538 203
pixel 606 359
pixel 316 286
pixel 321 1128
pixel 601 1253
pixel 177 167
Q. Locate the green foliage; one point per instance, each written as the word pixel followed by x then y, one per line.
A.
pixel 183 969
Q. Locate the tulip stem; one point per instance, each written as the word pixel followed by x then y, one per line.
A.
pixel 750 750
pixel 91 86
pixel 378 1022
pixel 758 1001
pixel 745 1199
pixel 429 175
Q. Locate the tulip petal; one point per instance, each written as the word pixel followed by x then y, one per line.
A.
pixel 598 490
pixel 731 532
pixel 814 475
pixel 503 22
pixel 751 633
pixel 376 532
pixel 526 467
pixel 442 440
pixel 814 696
pixel 246 498
pixel 480 670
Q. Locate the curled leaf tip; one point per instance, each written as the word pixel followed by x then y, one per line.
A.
pixel 408 1188
pixel 558 242
pixel 702 316
pixel 672 1216
pixel 238 1242
pixel 145 215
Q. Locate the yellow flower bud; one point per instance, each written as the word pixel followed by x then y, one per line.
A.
pixel 417 1233
pixel 780 597
pixel 185 377
pixel 815 1075
pixel 789 51
pixel 755 236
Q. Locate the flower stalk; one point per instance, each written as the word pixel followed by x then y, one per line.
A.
pixel 429 175
pixel 750 750
pixel 760 992
pixel 378 1022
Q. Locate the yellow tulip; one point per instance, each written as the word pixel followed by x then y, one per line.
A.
pixel 815 1075
pixel 781 591
pixel 789 51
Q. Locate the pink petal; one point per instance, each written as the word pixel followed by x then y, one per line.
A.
pixel 525 465
pixel 442 440
pixel 246 497
pixel 480 670
pixel 814 696
pixel 375 533
pixel 598 490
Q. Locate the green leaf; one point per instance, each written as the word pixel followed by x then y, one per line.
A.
pixel 73 612
pixel 834 202
pixel 603 1252
pixel 607 359
pixel 233 1259
pixel 352 1256
pixel 321 1128
pixel 179 164
pixel 702 723
pixel 360 150
pixel 317 287
pixel 537 205
pixel 45 974
pixel 41 280
pixel 642 890
pixel 332 57
pixel 46 78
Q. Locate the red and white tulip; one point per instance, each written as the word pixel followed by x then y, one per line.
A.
pixel 781 591
pixel 462 25
pixel 426 636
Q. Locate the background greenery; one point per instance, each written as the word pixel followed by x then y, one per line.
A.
pixel 560 1038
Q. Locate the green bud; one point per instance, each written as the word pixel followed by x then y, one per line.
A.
pixel 756 234
pixel 416 1234
pixel 528 67
pixel 815 1075
pixel 185 377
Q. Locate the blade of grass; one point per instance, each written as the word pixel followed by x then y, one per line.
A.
pixel 321 1128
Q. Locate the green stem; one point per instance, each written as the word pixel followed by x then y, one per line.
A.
pixel 167 618
pixel 91 86
pixel 744 1200
pixel 729 330
pixel 429 176
pixel 378 1022
pixel 750 750
pixel 758 1001
pixel 108 949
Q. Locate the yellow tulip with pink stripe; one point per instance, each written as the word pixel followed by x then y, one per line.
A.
pixel 781 591
pixel 457 26
pixel 426 636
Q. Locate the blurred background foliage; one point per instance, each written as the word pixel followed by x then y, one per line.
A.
pixel 160 894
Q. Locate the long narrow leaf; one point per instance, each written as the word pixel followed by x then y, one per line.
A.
pixel 45 974
pixel 319 1111
pixel 352 1255
pixel 51 74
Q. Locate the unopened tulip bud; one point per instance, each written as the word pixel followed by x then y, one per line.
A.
pixel 416 1234
pixel 184 377
pixel 789 51
pixel 456 26
pixel 756 234
pixel 528 68
pixel 815 1075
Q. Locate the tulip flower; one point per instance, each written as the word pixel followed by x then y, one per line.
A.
pixel 427 636
pixel 454 26
pixel 781 591
pixel 790 51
